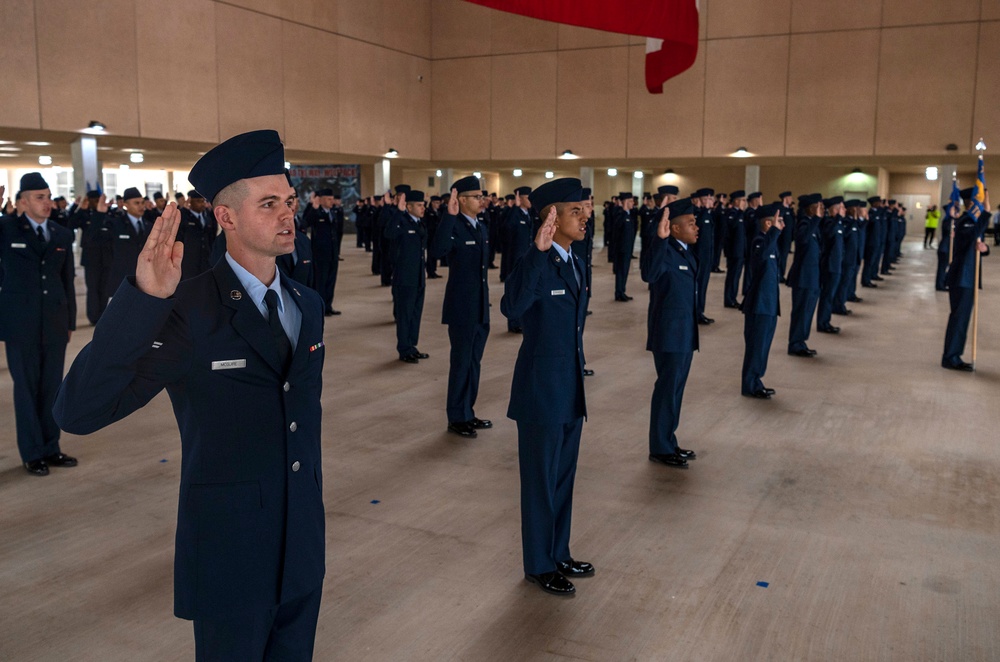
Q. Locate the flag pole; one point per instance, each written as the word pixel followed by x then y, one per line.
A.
pixel 981 146
pixel 951 241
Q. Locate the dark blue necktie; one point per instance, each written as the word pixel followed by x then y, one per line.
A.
pixel 278 331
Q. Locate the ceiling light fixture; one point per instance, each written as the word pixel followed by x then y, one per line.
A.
pixel 477 175
pixel 136 157
pixel 438 173
pixel 549 174
pixel 38 143
pixel 568 155
pixel 391 154
pixel 638 174
pixel 123 166
pixel 518 172
pixel 44 160
pixel 742 153
pixel 931 173
pixel 612 172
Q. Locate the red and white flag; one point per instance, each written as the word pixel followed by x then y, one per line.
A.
pixel 670 25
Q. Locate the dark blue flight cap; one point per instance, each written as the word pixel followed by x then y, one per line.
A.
pixel 740 193
pixel 414 196
pixel 668 190
pixel 565 189
pixel 785 194
pixel 585 195
pixel 195 195
pixel 466 184
pixel 93 193
pixel 767 211
pixel 854 203
pixel 509 196
pixel 835 200
pixel 703 193
pixel 625 195
pixel 131 192
pixel 33 181
pixel 755 194
pixel 248 155
pixel 435 198
pixel 872 200
pixel 400 188
pixel 682 207
pixel 892 202
pixel 323 192
pixel 157 196
pixel 523 190
pixel 966 193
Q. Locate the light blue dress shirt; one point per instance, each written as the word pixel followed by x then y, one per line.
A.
pixel 288 311
pixel 44 225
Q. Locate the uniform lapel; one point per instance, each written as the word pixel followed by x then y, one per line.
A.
pixel 306 329
pixel 565 271
pixel 247 320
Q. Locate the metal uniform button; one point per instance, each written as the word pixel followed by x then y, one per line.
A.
pixel 294 426
pixel 287 387
pixel 296 466
pixel 45 291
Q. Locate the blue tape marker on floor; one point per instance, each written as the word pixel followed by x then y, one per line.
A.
pixel 162 461
pixel 374 501
pixel 763 584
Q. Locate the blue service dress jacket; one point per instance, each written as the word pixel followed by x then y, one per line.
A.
pixel 409 250
pixel 804 273
pixel 467 295
pixel 962 272
pixel 250 521
pixel 763 297
pixel 126 244
pixel 832 255
pixel 543 294
pixel 37 295
pixel 672 319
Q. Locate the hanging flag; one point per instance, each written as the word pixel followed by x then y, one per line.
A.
pixel 955 199
pixel 979 194
pixel 670 25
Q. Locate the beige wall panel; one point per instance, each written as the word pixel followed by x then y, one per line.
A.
pixel 271 7
pixel 524 106
pixel 459 29
pixel 910 12
pixel 460 123
pixel 321 14
pixel 407 125
pixel 364 19
pixel 69 73
pixel 311 102
pixel 745 95
pixel 987 118
pixel 739 18
pixel 592 102
pixel 668 124
pixel 18 65
pixel 991 10
pixel 571 36
pixel 911 118
pixel 831 110
pixel 250 71
pixel 511 33
pixel 408 26
pixel 825 15
pixel 828 180
pixel 362 78
pixel 177 72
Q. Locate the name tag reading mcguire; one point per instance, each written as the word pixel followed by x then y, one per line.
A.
pixel 229 365
pixel 682 267
pixel 557 293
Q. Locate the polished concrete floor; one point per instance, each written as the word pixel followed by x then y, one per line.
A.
pixel 853 517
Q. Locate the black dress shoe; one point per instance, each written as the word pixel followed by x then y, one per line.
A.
pixel 480 424
pixel 829 329
pixel 553 582
pixel 877 278
pixel 870 286
pixel 769 391
pixel 587 372
pixel 60 460
pixel 421 355
pixel 961 365
pixel 37 468
pixel 575 569
pixel 843 312
pixel 804 353
pixel 671 460
pixel 686 454
pixel 705 320
pixel 590 312
pixel 331 312
pixel 940 289
pixel 760 395
pixel 462 429
pixel 718 271
pixel 410 358
pixel 731 305
pixel 434 276
pixel 855 299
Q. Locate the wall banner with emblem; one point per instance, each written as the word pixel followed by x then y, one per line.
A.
pixel 343 178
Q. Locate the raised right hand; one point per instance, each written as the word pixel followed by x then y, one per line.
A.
pixel 543 240
pixel 158 270
pixel 453 202
pixel 663 229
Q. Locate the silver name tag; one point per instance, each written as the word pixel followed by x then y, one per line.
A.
pixel 123 236
pixel 229 365
pixel 682 267
pixel 772 256
pixel 556 293
pixel 411 232
pixel 470 243
pixel 19 245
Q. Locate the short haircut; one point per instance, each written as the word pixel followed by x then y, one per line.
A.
pixel 233 195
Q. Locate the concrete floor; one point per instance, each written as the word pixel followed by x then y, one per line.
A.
pixel 864 494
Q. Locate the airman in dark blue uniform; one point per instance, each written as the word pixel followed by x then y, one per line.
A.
pixel 719 212
pixel 804 274
pixel 735 248
pixel 325 218
pixel 672 326
pixel 852 256
pixel 546 291
pixel 623 228
pixel 466 310
pixel 787 235
pixel 250 545
pixel 95 251
pixel 584 248
pixel 961 279
pixel 951 212
pixel 761 305
pixel 754 202
pixel 128 235
pixel 831 262
pixel 517 233
pixel 37 316
pixel 432 217
pixel 874 243
pixel 408 236
pixel 704 249
pixel 197 232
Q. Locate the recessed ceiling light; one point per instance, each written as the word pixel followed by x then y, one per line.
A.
pixel 517 172
pixel 477 175
pixel 97 126
pixel 44 160
pixel 612 172
pixel 103 147
pixel 742 153
pixel 123 166
pixel 568 155
pixel 288 165
pixel 438 173
pixel 38 143
pixel 136 157
pixel 549 174
pixel 6 142
pixel 638 174
pixel 10 149
pixel 7 156
pixel 391 154
pixel 931 173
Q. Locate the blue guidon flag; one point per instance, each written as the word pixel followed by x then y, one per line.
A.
pixel 670 26
pixel 979 195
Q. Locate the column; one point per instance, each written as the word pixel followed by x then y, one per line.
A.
pixel 945 175
pixel 751 179
pixel 86 168
pixel 587 177
pixel 883 183
pixel 382 172
pixel 445 181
